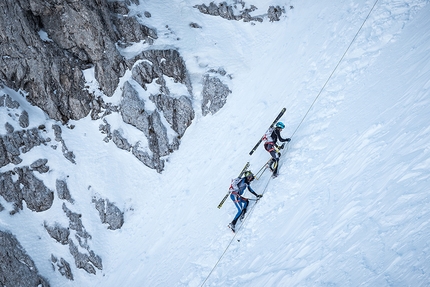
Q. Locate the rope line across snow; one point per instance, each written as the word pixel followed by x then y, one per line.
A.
pixel 298 126
pixel 335 68
pixel 234 236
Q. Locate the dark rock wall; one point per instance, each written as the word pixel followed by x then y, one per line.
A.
pixel 22 186
pixel 17 269
pixel 79 35
pixel 47 44
pixel 44 46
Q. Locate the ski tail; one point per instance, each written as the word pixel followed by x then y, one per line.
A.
pixel 274 122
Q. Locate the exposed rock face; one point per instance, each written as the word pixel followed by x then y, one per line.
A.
pixel 67 154
pixel 16 142
pixel 63 267
pixel 45 46
pixel 177 111
pixel 120 141
pixel 23 120
pixel 59 40
pixel 195 25
pixel 133 108
pixel 232 12
pixel 20 184
pixel 63 191
pixel 228 12
pixel 109 213
pixel 151 67
pixel 26 188
pixel 214 94
pixel 34 192
pixel 61 234
pixel 85 261
pixel 155 65
pixel 274 13
pixel 16 267
pixel 130 31
pixel 160 63
pixel 40 165
pixel 82 260
pixel 75 223
pixel 7 101
pixel 133 112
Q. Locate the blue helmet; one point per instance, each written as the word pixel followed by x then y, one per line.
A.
pixel 280 125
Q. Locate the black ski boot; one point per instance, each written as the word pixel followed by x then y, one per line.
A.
pixel 232 226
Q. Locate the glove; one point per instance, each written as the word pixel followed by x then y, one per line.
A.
pixel 259 195
pixel 288 140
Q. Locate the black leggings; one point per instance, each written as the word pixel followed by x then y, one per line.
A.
pixel 275 158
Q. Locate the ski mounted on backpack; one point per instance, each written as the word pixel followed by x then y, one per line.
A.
pixel 274 122
pixel 245 168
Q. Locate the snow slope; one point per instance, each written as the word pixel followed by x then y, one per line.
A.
pixel 351 204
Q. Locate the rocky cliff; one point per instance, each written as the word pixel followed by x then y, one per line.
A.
pixel 47 47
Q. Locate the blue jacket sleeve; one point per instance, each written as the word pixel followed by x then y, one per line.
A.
pixel 251 190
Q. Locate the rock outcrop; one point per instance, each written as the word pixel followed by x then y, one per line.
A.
pixel 16 267
pixel 26 188
pixel 60 39
pixel 234 12
pixel 67 154
pixel 46 48
pixel 109 213
pixel 214 93
pixel 226 11
pixel 59 233
pixel 87 261
pixel 62 266
pixel 275 13
pixel 14 143
pixel 153 67
pixel 63 191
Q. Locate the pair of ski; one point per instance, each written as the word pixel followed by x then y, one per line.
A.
pixel 274 122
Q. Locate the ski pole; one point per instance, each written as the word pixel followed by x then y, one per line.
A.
pixel 262 170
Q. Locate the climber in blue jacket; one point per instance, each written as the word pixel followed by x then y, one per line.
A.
pixel 237 188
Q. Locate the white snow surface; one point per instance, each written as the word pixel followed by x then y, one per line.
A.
pixel 351 206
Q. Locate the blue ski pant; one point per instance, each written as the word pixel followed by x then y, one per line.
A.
pixel 241 203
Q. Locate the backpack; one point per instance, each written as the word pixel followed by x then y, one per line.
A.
pixel 268 135
pixel 234 183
